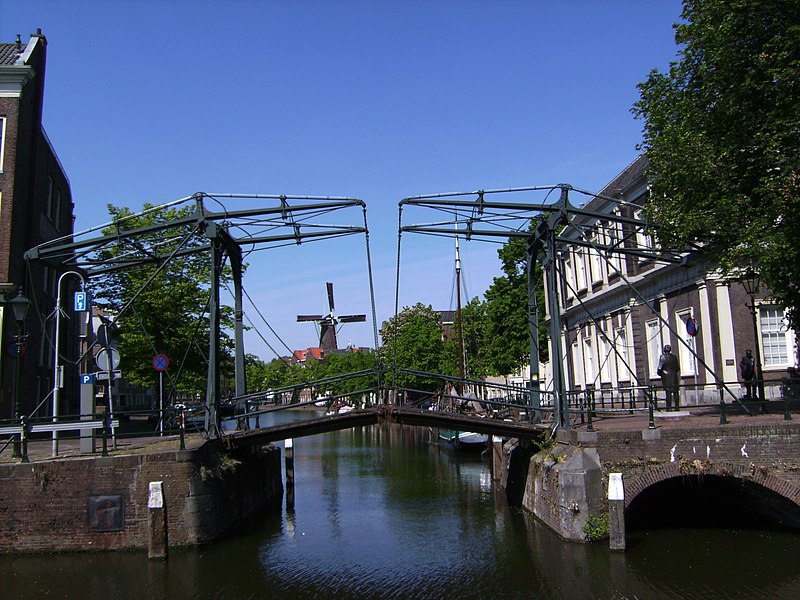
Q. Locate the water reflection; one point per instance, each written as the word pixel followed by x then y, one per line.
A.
pixel 384 512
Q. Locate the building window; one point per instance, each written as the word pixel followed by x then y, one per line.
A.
pixel 605 357
pixel 48 207
pixel 569 282
pixel 580 270
pixel 613 238
pixel 686 352
pixel 653 333
pixel 2 141
pixel 595 264
pixel 776 338
pixel 621 345
pixel 576 364
pixel 588 360
pixel 57 211
pixel 644 241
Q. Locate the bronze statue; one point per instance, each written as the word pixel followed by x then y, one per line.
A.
pixel 747 368
pixel 670 373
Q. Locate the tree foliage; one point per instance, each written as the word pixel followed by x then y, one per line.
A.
pixel 412 340
pixel 169 314
pixel 722 136
pixel 506 341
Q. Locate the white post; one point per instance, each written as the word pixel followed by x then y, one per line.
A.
pixel 161 403
pixel 57 372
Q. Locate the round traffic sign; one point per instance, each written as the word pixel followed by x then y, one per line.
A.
pixel 160 362
pixel 691 326
pixel 107 360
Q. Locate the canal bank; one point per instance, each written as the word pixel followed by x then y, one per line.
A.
pixel 90 502
pixel 687 467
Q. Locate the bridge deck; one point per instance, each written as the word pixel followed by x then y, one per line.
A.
pixel 379 414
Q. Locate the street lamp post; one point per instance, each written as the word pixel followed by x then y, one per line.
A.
pixel 57 368
pixel 751 286
pixel 19 305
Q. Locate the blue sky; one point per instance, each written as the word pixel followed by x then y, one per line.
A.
pixel 151 101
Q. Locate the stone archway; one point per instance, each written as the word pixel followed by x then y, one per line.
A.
pixel 704 493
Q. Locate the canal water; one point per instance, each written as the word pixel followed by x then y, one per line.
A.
pixel 385 512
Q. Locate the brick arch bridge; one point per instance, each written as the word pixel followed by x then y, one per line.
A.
pixel 763 451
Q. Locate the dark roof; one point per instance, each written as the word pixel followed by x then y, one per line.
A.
pixel 9 53
pixel 447 316
pixel 630 176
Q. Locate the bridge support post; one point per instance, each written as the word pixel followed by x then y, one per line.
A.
pixel 157 542
pixel 288 450
pixel 616 512
pixel 497 457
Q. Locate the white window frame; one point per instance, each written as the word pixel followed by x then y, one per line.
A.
pixel 595 262
pixel 588 360
pixel 604 356
pixel 652 331
pixel 2 142
pixel 643 240
pixel 580 270
pixel 577 365
pixel 777 341
pixel 614 236
pixel 569 280
pixel 621 345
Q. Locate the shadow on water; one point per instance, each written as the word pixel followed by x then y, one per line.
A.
pixel 382 512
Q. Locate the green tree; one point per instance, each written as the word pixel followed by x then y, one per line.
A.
pixel 506 340
pixel 167 315
pixel 336 365
pixel 722 139
pixel 412 340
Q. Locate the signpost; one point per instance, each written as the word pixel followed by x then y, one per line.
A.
pixel 108 361
pixel 161 364
pixel 691 329
pixel 81 302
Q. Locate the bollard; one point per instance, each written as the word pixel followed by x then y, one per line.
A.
pixel 787 416
pixel 616 512
pixel 24 438
pixel 157 543
pixel 105 434
pixel 723 420
pixel 289 462
pixel 589 414
pixel 182 428
pixel 652 422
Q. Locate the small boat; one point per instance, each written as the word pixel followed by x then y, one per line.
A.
pixel 464 440
pixel 339 409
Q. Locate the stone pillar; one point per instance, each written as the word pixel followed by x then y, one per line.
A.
pixel 157 542
pixel 616 512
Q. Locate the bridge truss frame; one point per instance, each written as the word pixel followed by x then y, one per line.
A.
pixel 548 228
pixel 221 235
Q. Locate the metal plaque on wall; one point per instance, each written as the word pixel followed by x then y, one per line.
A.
pixel 106 513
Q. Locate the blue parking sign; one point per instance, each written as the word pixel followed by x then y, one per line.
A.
pixel 81 302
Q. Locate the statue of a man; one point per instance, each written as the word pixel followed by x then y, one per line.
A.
pixel 747 367
pixel 670 373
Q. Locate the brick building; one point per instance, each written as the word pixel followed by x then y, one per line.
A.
pixel 35 206
pixel 618 311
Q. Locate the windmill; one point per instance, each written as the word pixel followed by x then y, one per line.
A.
pixel 327 323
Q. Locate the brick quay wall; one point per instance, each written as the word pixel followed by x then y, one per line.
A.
pixel 86 503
